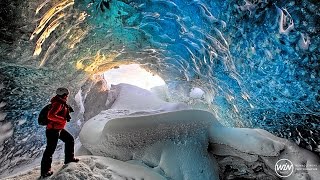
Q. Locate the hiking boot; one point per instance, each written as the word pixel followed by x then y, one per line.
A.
pixel 48 173
pixel 71 160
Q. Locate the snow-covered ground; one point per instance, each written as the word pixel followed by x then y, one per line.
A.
pixel 144 137
pixel 93 167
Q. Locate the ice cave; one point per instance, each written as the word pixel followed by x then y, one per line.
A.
pixel 163 89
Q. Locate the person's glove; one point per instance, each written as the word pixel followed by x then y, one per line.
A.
pixel 70 109
pixel 68 117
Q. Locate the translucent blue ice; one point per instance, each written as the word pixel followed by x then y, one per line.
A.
pixel 246 54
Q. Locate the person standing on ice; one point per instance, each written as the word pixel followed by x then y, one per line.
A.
pixel 58 116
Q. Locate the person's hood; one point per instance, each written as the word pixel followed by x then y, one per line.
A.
pixel 58 99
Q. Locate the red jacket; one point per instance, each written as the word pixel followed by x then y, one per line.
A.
pixel 57 115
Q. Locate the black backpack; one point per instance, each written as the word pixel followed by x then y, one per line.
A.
pixel 43 115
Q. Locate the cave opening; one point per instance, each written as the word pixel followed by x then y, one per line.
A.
pixel 133 74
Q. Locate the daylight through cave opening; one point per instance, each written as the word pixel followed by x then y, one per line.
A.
pixel 133 74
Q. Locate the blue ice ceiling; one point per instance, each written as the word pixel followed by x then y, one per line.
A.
pixel 253 57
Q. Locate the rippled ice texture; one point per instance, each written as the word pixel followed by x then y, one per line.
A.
pixel 257 60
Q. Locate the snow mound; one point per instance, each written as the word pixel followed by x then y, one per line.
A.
pixel 186 144
pixel 180 139
pixel 163 141
pixel 246 140
pixel 125 96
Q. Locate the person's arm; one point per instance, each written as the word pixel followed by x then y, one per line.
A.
pixel 53 113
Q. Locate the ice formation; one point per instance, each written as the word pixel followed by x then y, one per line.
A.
pixel 286 23
pixel 304 42
pixel 196 93
pixel 256 60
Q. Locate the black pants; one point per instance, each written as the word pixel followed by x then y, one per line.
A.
pixel 52 140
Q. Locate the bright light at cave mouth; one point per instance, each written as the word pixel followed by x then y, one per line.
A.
pixel 133 74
